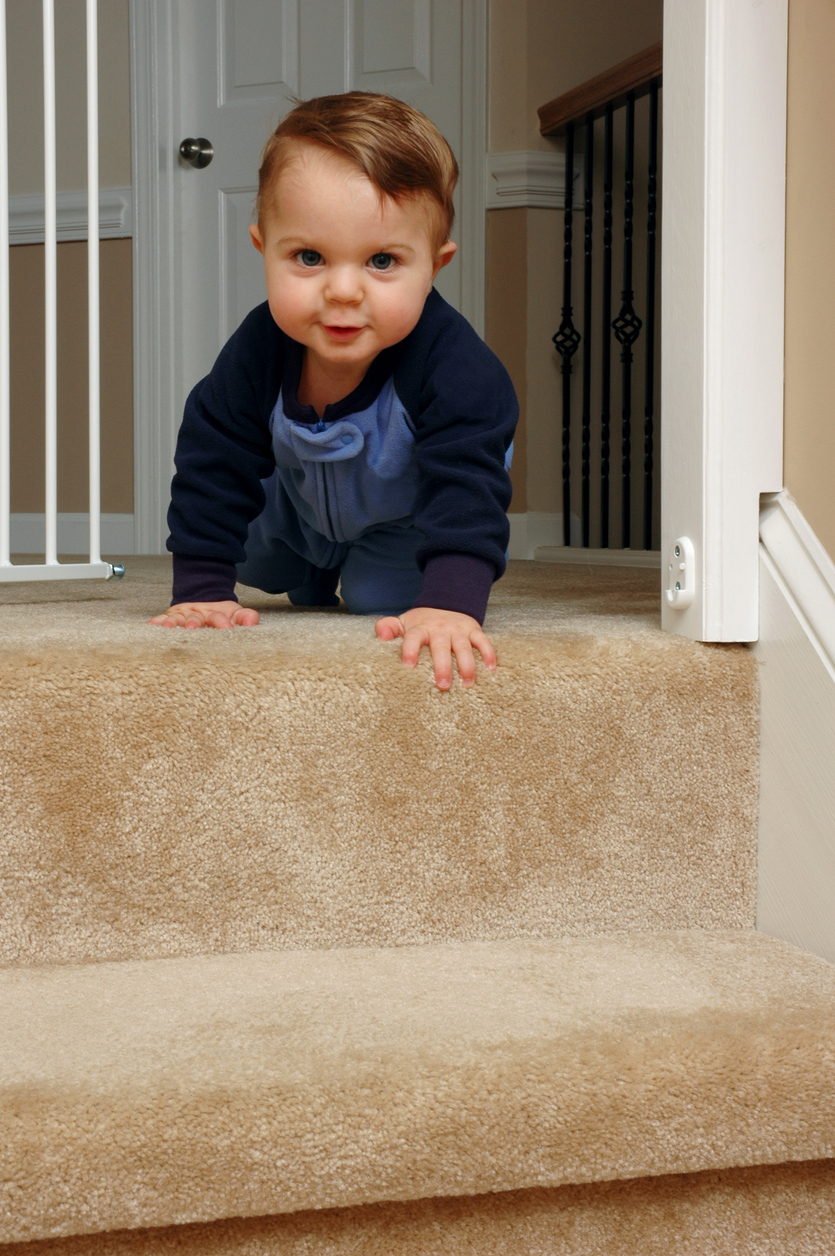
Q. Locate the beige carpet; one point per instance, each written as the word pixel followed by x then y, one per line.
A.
pixel 249 833
pixel 781 1210
pixel 292 785
pixel 170 1091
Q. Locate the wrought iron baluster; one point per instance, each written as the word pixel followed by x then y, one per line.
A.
pixel 588 176
pixel 606 339
pixel 627 325
pixel 567 337
pixel 649 390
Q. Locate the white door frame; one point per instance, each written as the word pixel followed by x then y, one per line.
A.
pixel 724 154
pixel 158 389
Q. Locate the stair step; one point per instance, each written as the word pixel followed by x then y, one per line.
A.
pixel 161 1092
pixel 292 785
pixel 767 1210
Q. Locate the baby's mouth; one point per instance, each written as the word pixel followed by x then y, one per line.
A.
pixel 338 332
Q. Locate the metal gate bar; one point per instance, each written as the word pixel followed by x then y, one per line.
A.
pixel 51 569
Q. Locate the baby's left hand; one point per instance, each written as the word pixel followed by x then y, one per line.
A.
pixel 446 633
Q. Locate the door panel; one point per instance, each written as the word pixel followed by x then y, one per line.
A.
pixel 259 49
pixel 241 268
pixel 393 38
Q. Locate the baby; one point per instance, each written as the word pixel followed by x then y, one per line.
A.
pixel 355 431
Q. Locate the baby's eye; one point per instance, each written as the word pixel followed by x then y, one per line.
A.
pixel 382 261
pixel 309 257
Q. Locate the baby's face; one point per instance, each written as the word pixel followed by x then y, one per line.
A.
pixel 346 276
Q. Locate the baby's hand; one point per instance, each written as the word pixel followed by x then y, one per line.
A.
pixel 206 615
pixel 446 633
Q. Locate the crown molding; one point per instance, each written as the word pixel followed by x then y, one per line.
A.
pixel 26 216
pixel 526 180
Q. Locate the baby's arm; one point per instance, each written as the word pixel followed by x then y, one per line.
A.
pixel 206 615
pixel 445 633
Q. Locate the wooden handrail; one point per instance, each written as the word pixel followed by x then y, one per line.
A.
pixel 612 87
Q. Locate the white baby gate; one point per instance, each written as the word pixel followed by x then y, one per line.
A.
pixel 51 569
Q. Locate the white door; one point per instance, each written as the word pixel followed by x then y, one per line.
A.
pixel 226 70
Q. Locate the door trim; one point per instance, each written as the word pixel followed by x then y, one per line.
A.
pixel 156 291
pixel 724 182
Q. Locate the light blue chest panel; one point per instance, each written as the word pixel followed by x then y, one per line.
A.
pixel 334 481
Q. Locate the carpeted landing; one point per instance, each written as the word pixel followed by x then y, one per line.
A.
pixel 304 957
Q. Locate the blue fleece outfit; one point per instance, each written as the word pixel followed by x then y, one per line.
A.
pixel 400 490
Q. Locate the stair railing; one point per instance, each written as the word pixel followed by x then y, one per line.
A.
pixel 51 569
pixel 601 97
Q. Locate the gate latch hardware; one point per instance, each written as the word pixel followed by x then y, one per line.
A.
pixel 681 574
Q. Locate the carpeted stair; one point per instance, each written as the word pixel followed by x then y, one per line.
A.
pixel 301 956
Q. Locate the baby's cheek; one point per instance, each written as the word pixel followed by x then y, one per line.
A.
pixel 289 308
pixel 401 313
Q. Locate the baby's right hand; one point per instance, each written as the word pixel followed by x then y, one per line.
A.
pixel 206 615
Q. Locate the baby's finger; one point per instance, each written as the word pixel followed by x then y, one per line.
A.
pixel 485 648
pixel 168 619
pixel 414 640
pixel 193 619
pixel 441 651
pixel 246 617
pixel 217 619
pixel 389 628
pixel 465 659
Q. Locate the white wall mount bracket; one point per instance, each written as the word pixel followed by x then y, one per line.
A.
pixel 681 574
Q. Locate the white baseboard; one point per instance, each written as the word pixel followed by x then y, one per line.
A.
pixel 598 557
pixel 796 653
pixel 529 532
pixel 27 534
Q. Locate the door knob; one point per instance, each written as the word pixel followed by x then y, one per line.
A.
pixel 197 153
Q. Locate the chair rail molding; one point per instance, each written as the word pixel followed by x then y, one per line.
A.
pixel 526 180
pixel 26 216
pixel 796 656
pixel 792 549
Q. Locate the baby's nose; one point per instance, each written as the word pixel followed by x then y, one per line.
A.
pixel 344 285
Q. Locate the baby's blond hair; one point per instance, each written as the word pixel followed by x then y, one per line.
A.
pixel 399 150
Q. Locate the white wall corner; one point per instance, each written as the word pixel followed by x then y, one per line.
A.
pixel 526 180
pixel 796 656
pixel 26 216
pixel 722 283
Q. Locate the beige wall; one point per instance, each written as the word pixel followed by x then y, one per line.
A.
pixel 538 50
pixel 25 35
pixel 507 322
pixel 542 48
pixel 27 377
pixel 27 277
pixel 810 266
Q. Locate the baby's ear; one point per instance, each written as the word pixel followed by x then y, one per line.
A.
pixel 255 235
pixel 443 257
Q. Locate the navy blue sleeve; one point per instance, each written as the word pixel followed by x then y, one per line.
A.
pixel 224 450
pixel 457 582
pixel 464 410
pixel 202 580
